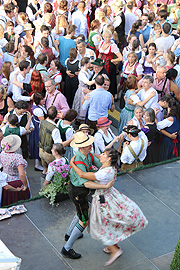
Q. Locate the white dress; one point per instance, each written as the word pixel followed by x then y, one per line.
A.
pixel 116 219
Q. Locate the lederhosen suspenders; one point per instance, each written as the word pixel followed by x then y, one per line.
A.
pixel 53 99
pixel 134 154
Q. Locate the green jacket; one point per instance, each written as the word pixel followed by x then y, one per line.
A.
pixel 45 135
pixel 75 179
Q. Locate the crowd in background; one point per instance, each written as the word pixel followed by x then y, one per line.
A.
pixel 60 64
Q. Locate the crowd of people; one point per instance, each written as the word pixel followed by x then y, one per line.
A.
pixel 59 65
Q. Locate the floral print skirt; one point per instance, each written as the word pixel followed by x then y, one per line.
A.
pixel 116 219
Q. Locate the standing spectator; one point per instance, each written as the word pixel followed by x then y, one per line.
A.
pixel 79 19
pixel 146 28
pixel 110 53
pixel 22 77
pixel 9 15
pixel 83 51
pixel 41 66
pixel 55 72
pixel 23 116
pixel 151 131
pixel 84 81
pixel 170 127
pixel 147 88
pixel 39 114
pixel 33 11
pixel 165 42
pixel 161 83
pixel 48 135
pixel 65 44
pixel 15 167
pixel 99 102
pixel 55 98
pixel 72 71
pixel 159 107
pixel 130 18
pixel 119 22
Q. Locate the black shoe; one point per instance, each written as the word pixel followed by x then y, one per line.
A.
pixel 70 254
pixel 66 237
pixel 38 170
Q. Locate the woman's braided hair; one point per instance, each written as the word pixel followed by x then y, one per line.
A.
pixel 113 154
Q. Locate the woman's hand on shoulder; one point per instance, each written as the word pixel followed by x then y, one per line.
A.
pixel 170 118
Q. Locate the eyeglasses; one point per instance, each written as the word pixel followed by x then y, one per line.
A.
pixel 48 86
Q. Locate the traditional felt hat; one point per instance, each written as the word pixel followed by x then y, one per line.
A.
pixel 103 122
pixel 81 140
pixel 85 126
pixel 11 143
pixel 98 62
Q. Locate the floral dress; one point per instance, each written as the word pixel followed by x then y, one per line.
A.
pixel 118 217
pixel 10 163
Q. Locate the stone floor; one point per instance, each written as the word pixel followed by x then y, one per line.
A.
pixel 38 236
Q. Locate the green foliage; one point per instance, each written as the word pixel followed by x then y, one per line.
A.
pixel 59 184
pixel 175 264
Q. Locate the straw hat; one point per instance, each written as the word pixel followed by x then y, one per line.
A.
pixel 28 27
pixel 11 143
pixel 119 4
pixel 103 122
pixel 81 140
pixel 85 126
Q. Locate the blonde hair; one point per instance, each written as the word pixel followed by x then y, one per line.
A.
pixel 22 16
pixel 114 33
pixel 99 14
pixel 48 17
pixel 6 69
pixel 106 32
pixel 3 91
pixel 62 21
pixel 133 53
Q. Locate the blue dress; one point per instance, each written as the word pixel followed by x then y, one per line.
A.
pixel 34 135
pixel 126 114
pixel 167 145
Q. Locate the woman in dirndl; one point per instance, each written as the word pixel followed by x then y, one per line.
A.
pixel 109 52
pixel 113 217
pixel 39 114
pixel 84 81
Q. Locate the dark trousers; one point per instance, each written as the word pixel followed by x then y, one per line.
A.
pixel 92 124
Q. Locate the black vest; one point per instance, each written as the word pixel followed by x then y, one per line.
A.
pixel 33 8
pixel 121 28
pixel 93 86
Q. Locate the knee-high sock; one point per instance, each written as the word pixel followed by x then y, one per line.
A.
pixel 77 231
pixel 73 224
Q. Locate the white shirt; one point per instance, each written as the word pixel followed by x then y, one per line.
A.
pixel 142 94
pixel 22 129
pixel 164 43
pixel 130 18
pixel 38 51
pixel 19 117
pixel 87 54
pixel 99 140
pixel 17 91
pixel 30 14
pixel 79 19
pixel 69 132
pixel 127 157
pixel 50 171
pixel 164 124
pixel 3 183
